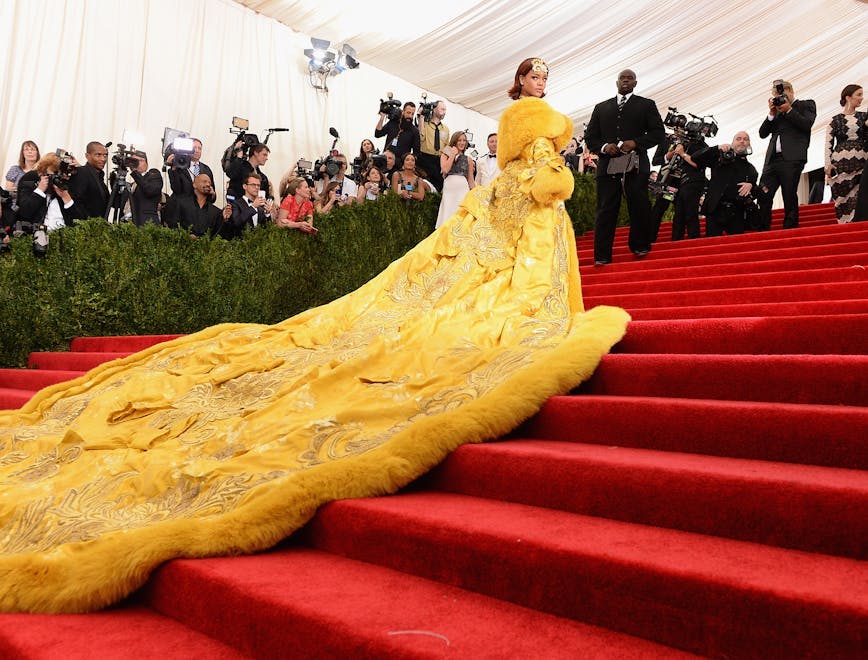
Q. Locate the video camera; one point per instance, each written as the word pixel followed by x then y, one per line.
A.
pixel 781 98
pixel 329 161
pixel 126 159
pixel 687 129
pixel 248 141
pixel 178 144
pixel 65 169
pixel 426 108
pixel 391 108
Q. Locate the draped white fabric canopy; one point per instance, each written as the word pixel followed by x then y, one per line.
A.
pixel 78 70
pixel 703 57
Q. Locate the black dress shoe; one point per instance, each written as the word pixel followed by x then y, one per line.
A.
pixel 641 253
pixel 602 262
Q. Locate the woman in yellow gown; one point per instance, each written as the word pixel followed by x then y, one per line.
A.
pixel 227 440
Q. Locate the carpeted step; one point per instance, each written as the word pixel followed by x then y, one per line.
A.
pixel 827 291
pixel 623 272
pixel 34 379
pixel 800 308
pixel 803 507
pixel 833 436
pixel 813 227
pixel 131 344
pixel 761 243
pixel 297 602
pixel 858 249
pixel 726 281
pixel 705 594
pixel 60 361
pixel 12 398
pixel 821 379
pixel 129 632
pixel 842 334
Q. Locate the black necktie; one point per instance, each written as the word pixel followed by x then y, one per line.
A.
pixel 436 137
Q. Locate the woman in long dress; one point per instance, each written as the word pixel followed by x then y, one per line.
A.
pixel 458 176
pixel 846 153
pixel 227 440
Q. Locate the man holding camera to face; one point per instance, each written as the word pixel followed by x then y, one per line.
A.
pixel 240 168
pixel 789 123
pixel 146 192
pixel 401 135
pixel 728 204
pixel 181 178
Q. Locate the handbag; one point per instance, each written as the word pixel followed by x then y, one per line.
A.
pixel 623 164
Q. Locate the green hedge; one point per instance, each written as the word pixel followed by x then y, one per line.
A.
pixel 101 279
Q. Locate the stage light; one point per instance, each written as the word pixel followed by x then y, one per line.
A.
pixel 323 62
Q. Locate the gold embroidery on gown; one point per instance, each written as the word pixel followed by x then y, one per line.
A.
pixel 227 440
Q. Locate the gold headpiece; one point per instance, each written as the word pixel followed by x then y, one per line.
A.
pixel 536 64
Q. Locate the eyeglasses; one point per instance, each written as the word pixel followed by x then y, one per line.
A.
pixel 253 185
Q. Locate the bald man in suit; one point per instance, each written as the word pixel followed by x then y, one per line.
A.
pixel 621 131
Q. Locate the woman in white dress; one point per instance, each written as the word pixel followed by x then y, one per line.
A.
pixel 458 176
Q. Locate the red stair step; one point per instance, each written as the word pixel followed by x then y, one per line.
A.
pixel 705 594
pixel 131 632
pixel 123 344
pixel 816 509
pixel 71 361
pixel 299 602
pixel 834 436
pixel 823 379
pixel 34 379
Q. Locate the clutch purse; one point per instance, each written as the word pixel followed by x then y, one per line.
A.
pixel 623 164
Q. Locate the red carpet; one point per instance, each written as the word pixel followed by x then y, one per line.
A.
pixel 705 492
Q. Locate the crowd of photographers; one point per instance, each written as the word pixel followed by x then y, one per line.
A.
pixel 44 192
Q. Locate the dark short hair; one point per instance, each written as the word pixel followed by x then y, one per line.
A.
pixel 410 103
pixel 490 135
pixel 259 148
pixel 252 175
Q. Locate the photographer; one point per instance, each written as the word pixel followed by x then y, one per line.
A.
pixel 240 168
pixel 401 135
pixel 87 186
pixel 197 213
pixel 433 136
pixel 43 195
pixel 728 202
pixel 347 189
pixel 789 123
pixel 690 188
pixel 181 178
pixel 146 193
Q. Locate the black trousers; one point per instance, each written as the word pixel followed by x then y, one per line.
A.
pixel 727 217
pixel 431 165
pixel 783 174
pixel 686 215
pixel 610 188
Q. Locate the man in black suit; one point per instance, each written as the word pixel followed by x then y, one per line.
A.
pixel 239 167
pixel 789 123
pixel 621 131
pixel 729 199
pixel 147 192
pixel 87 186
pixel 181 178
pixel 249 210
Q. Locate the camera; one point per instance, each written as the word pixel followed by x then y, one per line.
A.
pixel 179 144
pixel 730 155
pixel 426 109
pixel 332 166
pixel 379 161
pixel 391 107
pixel 687 129
pixel 693 128
pixel 305 169
pixel 126 159
pixel 65 169
pixel 781 98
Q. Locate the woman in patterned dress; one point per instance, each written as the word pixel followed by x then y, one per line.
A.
pixel 845 152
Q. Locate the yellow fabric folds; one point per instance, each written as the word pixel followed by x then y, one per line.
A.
pixel 227 440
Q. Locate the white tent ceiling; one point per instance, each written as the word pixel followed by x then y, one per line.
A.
pixel 703 57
